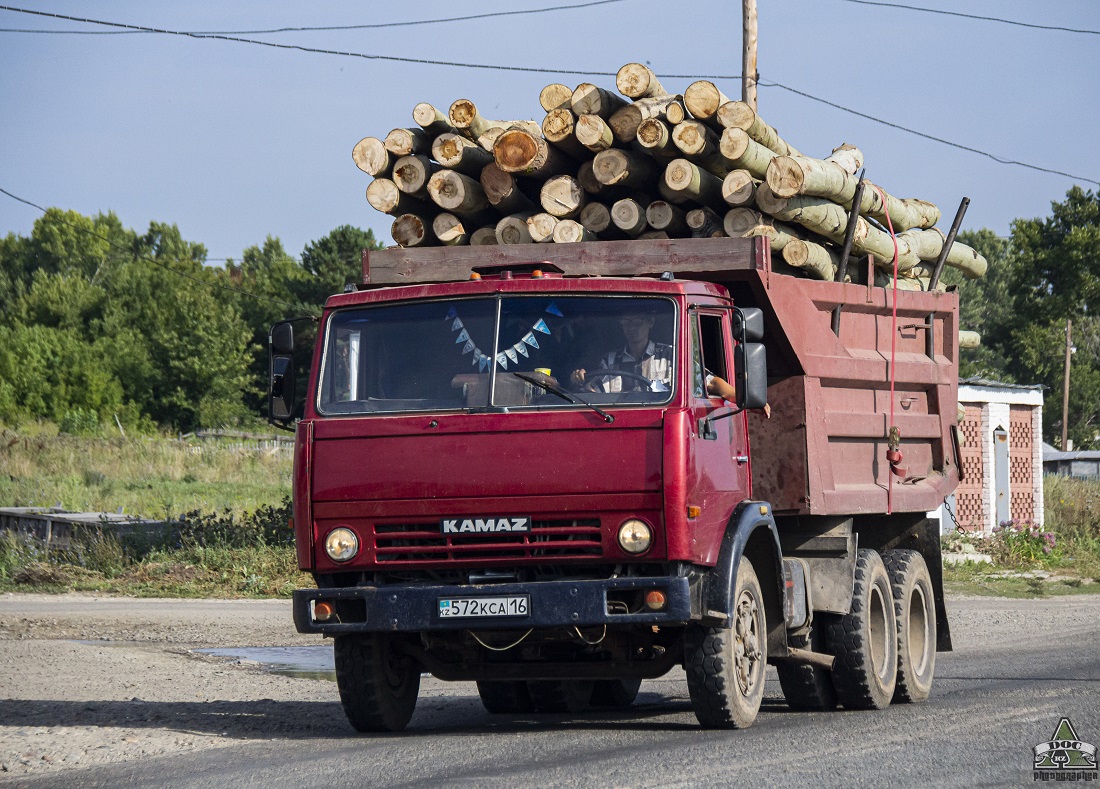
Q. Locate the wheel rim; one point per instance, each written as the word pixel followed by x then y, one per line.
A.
pixel 879 634
pixel 747 642
pixel 919 635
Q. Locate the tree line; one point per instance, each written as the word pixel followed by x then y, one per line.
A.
pixel 98 321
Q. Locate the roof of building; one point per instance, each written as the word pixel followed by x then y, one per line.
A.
pixel 979 381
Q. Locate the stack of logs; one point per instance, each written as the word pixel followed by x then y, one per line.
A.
pixel 650 165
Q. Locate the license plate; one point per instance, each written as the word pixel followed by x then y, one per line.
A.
pixel 459 607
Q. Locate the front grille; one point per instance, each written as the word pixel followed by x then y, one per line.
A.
pixel 423 542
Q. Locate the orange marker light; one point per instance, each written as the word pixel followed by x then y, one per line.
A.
pixel 694 510
pixel 655 599
pixel 537 273
pixel 322 612
pixel 475 275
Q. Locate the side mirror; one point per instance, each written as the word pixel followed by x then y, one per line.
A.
pixel 281 399
pixel 750 363
pixel 281 338
pixel 752 324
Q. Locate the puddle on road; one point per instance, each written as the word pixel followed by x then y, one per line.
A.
pixel 312 662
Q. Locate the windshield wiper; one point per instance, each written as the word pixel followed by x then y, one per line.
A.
pixel 543 383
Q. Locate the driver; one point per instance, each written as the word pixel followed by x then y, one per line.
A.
pixel 640 355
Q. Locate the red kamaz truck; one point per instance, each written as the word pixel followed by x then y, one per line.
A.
pixel 498 478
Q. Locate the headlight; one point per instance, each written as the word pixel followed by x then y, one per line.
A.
pixel 635 536
pixel 341 545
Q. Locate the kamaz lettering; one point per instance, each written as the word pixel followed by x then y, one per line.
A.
pixel 485 525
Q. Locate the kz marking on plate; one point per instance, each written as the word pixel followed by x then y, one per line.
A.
pixel 459 607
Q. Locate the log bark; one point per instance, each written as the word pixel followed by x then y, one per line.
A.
pixel 483 236
pixel 663 215
pixel 412 173
pixel 460 194
pixel 739 115
pixel 503 191
pixel 541 227
pixel 739 188
pixel 654 234
pixel 699 144
pixel 618 167
pixel 849 157
pixel 556 97
pixel 586 177
pixel 778 234
pixel 449 229
pixel 513 229
pixel 969 339
pixel 819 261
pixel 522 153
pixel 588 99
pixel 596 217
pixel 702 99
pixel 594 133
pixel 628 215
pixel 467 120
pixel 432 120
pixel 562 196
pixel 690 182
pixel 457 153
pixel 637 81
pixel 927 245
pixel 405 142
pixel 704 223
pixel 370 156
pixel 411 230
pixel 559 127
pixel 383 195
pixel 625 122
pixel 569 231
pixel 745 153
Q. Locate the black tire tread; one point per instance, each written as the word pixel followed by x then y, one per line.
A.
pixel 368 705
pixel 808 688
pixel 901 566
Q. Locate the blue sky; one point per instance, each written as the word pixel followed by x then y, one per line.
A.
pixel 234 142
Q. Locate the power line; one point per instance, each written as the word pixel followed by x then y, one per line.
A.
pixel 148 259
pixel 536 70
pixel 377 26
pixel 974 16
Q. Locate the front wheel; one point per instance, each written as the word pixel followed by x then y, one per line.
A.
pixel 378 683
pixel 726 666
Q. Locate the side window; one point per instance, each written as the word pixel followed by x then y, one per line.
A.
pixel 712 344
pixel 698 384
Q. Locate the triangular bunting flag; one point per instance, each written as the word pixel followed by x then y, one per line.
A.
pixel 482 363
pixel 457 324
pixel 553 310
pixel 451 313
pixel 521 349
pixel 502 360
pixel 541 326
pixel 463 336
pixel 511 354
pixel 530 340
pixel 468 347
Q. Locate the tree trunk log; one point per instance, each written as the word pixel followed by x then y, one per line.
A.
pixel 383 195
pixel 636 81
pixel 465 118
pixel 559 127
pixel 617 167
pixel 588 99
pixel 594 134
pixel 663 215
pixel 625 122
pixel 849 157
pixel 411 230
pixel 739 221
pixel 522 153
pixel 675 113
pixel 654 234
pixel 449 230
pixel 704 223
pixel 432 120
pixel 739 188
pixel 460 194
pixel 541 227
pixel 412 173
pixel 562 196
pixel 699 144
pixel 370 156
pixel 503 191
pixel 628 215
pixel 483 237
pixel 513 229
pixel 457 153
pixel 969 339
pixel 688 181
pixel 406 142
pixel 927 245
pixel 745 153
pixel 569 231
pixel 703 99
pixel 821 262
pixel 556 97
pixel 596 217
pixel 739 115
pixel 655 136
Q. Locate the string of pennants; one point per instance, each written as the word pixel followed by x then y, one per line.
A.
pixel 521 348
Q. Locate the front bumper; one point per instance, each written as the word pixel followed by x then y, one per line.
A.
pixel 415 608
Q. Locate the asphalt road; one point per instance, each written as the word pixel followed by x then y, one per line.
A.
pixel 1018 668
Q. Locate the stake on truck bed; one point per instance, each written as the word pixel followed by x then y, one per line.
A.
pixel 510 467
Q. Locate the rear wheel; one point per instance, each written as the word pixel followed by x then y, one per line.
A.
pixel 914 608
pixel 615 693
pixel 560 695
pixel 865 641
pixel 378 683
pixel 808 687
pixel 505 698
pixel 726 666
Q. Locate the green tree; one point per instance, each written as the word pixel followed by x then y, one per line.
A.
pixel 985 306
pixel 334 261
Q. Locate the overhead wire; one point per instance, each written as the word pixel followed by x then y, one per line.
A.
pixel 904 7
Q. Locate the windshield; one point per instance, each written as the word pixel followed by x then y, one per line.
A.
pixel 466 353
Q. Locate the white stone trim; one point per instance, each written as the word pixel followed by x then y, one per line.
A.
pixel 969 393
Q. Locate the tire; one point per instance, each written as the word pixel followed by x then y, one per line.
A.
pixel 378 685
pixel 505 698
pixel 915 611
pixel 615 693
pixel 560 695
pixel 865 641
pixel 726 666
pixel 808 688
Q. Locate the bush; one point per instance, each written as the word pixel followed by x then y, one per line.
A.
pixel 266 526
pixel 1015 543
pixel 1072 506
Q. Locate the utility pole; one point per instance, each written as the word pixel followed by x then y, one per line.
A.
pixel 1065 388
pixel 748 62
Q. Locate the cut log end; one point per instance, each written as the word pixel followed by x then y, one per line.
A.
pixel 370 156
pixel 703 99
pixel 785 177
pixel 449 230
pixel 555 97
pixel 410 230
pixel 637 81
pixel 483 237
pixel 569 231
pixel 462 114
